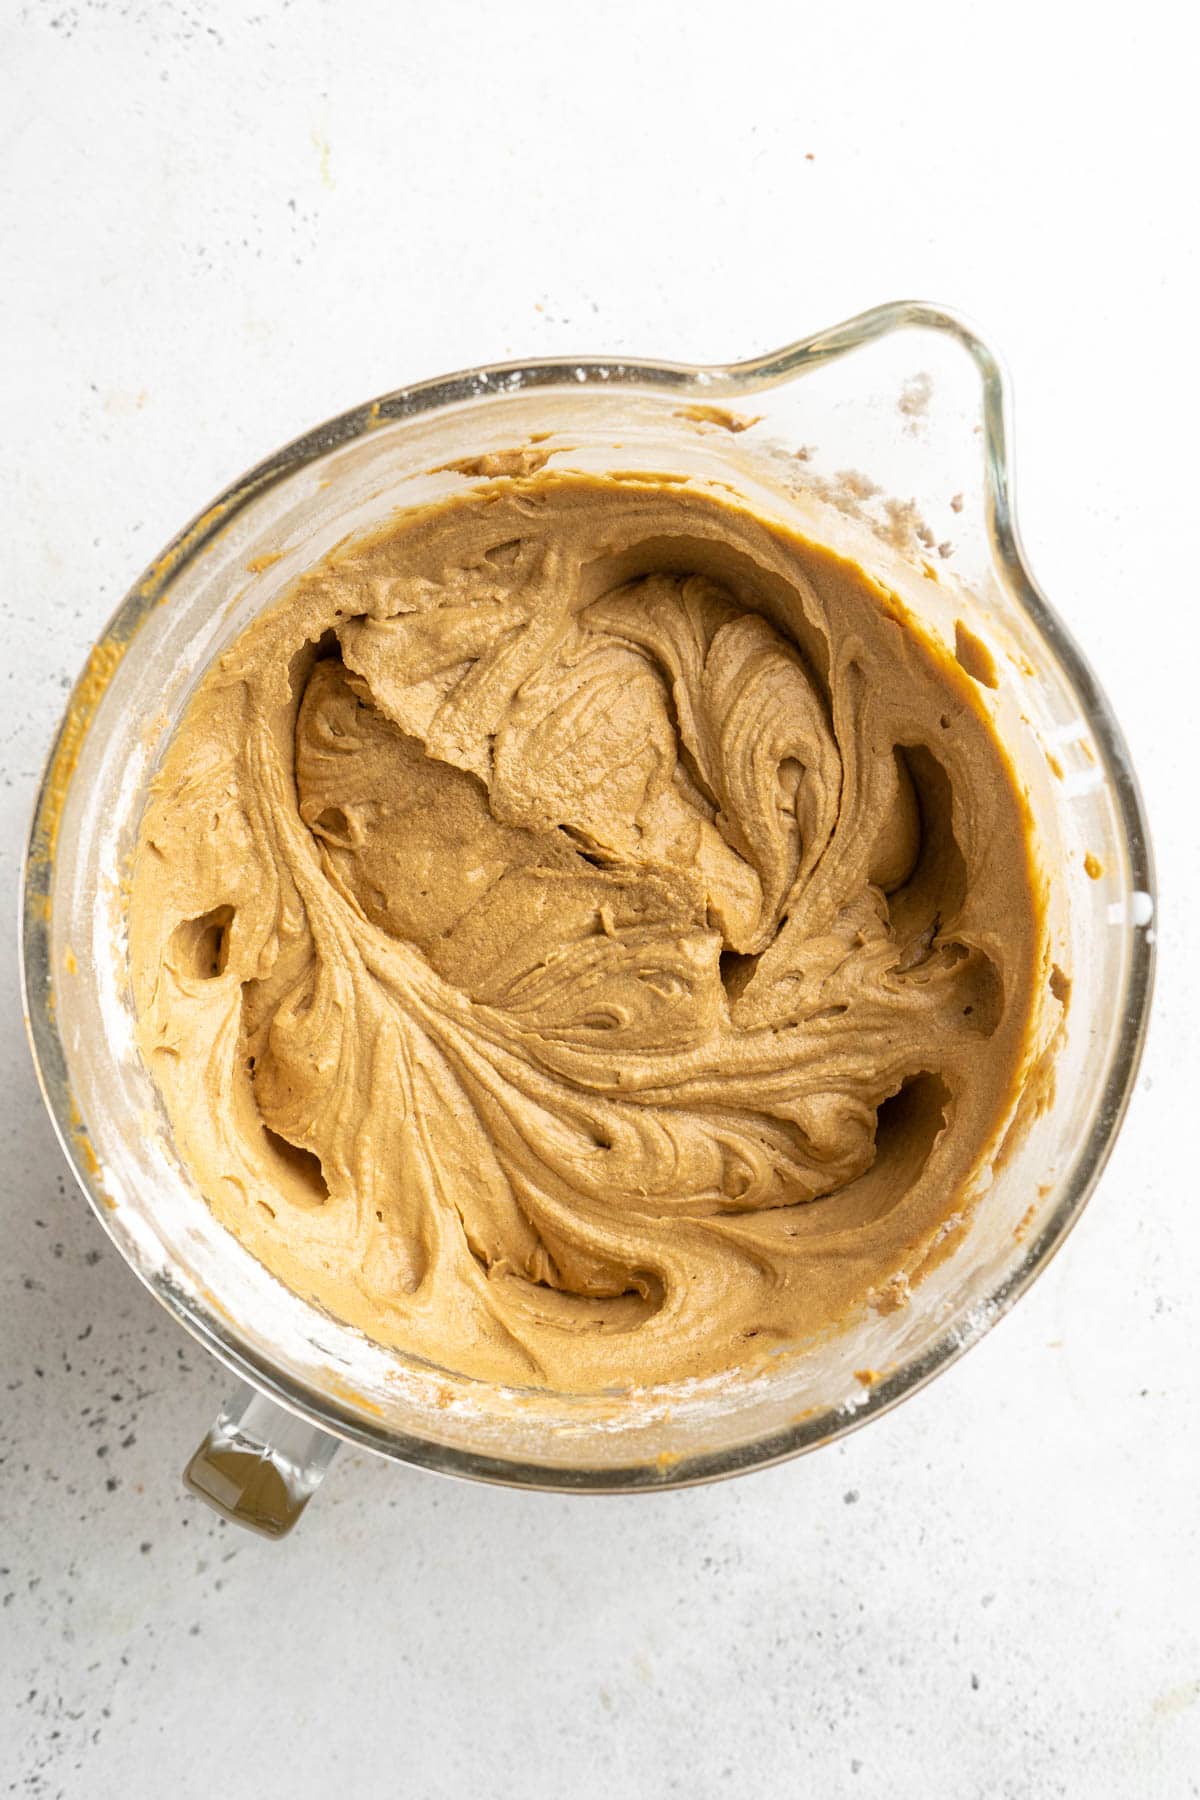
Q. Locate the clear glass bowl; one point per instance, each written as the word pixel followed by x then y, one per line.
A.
pixel 886 437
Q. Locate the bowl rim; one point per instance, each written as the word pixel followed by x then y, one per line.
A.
pixel 702 382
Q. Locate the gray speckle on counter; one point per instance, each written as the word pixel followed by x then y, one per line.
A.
pixel 219 225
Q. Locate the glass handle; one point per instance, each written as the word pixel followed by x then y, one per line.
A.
pixel 259 1466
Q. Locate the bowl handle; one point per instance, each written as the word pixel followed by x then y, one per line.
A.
pixel 259 1466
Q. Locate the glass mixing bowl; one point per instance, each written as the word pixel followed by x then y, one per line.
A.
pixel 886 437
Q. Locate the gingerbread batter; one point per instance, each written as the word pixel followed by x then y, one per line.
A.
pixel 586 934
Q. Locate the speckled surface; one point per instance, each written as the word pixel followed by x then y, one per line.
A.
pixel 220 226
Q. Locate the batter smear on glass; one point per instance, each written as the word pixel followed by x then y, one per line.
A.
pixel 586 934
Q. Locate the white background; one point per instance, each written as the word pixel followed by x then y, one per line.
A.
pixel 220 226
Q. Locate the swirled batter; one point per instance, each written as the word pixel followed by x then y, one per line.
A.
pixel 585 934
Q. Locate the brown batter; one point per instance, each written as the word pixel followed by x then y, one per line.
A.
pixel 586 935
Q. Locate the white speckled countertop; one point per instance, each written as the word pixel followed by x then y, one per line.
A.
pixel 220 225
